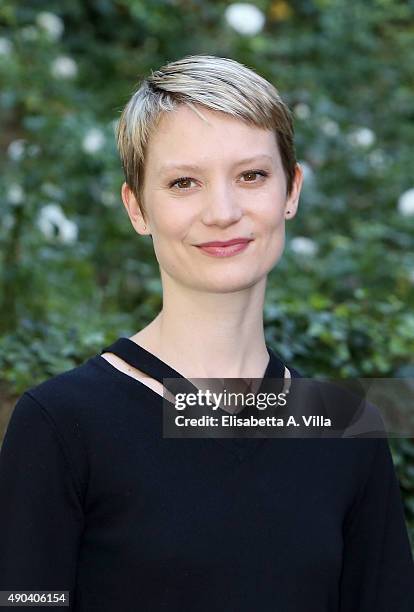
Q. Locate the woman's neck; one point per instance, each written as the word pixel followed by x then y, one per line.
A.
pixel 216 336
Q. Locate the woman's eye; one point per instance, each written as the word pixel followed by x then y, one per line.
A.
pixel 188 180
pixel 262 173
pixel 183 179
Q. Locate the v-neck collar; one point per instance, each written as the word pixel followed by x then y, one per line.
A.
pixel 142 359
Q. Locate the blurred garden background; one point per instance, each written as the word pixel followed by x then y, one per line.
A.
pixel 74 275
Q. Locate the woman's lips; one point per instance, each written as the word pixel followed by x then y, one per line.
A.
pixel 225 251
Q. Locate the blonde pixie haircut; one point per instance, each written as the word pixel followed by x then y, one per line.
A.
pixel 217 83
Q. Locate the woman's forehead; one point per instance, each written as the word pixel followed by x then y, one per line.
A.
pixel 182 140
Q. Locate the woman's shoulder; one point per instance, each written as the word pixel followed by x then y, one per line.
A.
pixel 68 389
pixel 73 401
pixel 49 421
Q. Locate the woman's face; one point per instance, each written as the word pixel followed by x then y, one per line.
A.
pixel 221 197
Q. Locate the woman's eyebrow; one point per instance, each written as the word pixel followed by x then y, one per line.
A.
pixel 179 166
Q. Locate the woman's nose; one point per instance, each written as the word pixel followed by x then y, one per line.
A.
pixel 221 207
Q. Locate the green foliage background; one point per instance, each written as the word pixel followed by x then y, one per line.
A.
pixel 345 67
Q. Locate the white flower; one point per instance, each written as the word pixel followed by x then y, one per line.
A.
pixel 245 18
pixel 303 246
pixel 406 203
pixel 51 23
pixel 302 111
pixel 53 224
pixel 68 231
pixel 308 174
pixel 5 46
pixel 16 148
pixel 329 127
pixel 361 137
pixel 50 216
pixel 411 276
pixel 29 33
pixel 15 194
pixel 64 67
pixel 93 141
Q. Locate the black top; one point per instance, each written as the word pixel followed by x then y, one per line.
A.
pixel 94 500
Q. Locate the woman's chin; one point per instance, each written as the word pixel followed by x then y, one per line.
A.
pixel 225 284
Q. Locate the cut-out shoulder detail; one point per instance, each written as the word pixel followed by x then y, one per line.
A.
pixel 154 384
pixel 142 377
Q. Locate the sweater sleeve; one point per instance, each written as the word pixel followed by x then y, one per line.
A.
pixel 41 516
pixel 378 569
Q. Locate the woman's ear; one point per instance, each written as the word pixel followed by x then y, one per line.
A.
pixel 292 201
pixel 134 211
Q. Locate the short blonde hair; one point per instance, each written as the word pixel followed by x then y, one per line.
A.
pixel 217 83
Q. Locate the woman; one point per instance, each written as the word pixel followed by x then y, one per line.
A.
pixel 96 501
